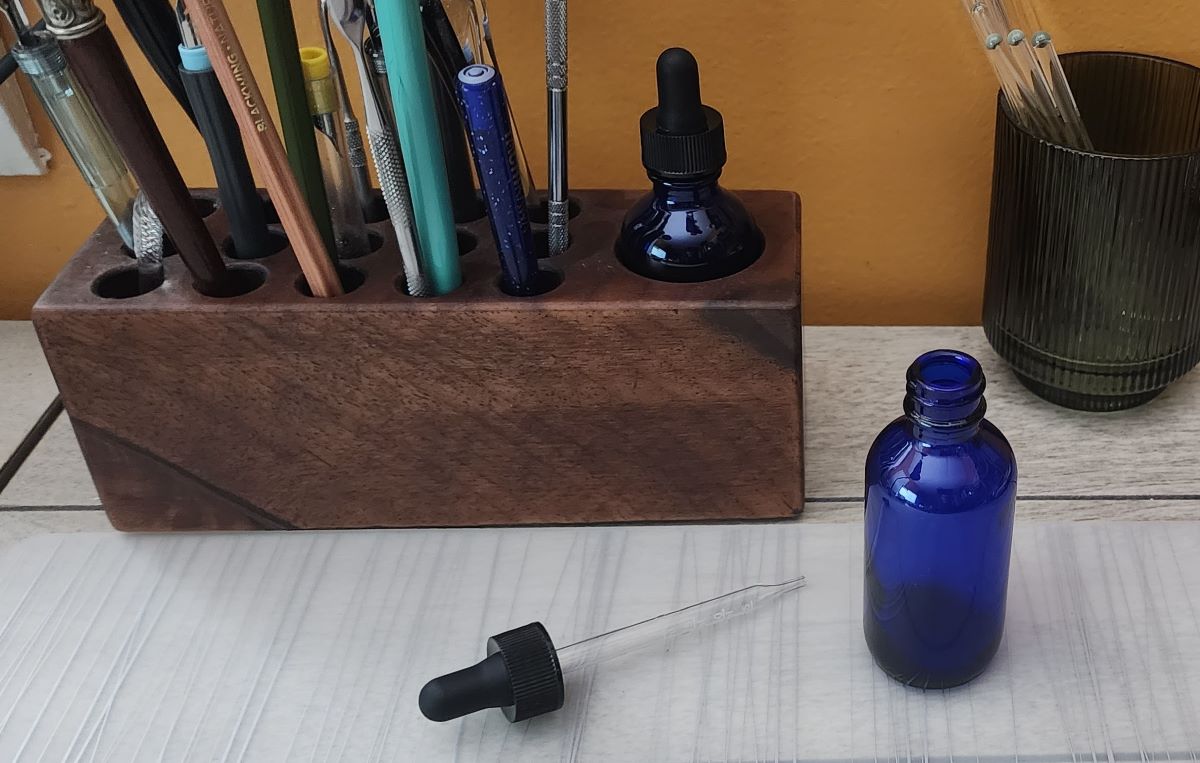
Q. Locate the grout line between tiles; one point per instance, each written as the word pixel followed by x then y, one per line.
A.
pixel 1131 497
pixel 60 509
pixel 29 442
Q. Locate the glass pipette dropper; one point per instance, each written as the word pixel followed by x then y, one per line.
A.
pixel 1037 85
pixel 1034 83
pixel 991 28
pixel 523 672
pixel 1029 72
pixel 1060 89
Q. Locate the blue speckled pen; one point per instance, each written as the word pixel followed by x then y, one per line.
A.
pixel 485 107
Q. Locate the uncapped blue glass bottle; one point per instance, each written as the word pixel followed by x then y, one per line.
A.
pixel 941 486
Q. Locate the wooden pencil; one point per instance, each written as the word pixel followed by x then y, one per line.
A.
pixel 215 30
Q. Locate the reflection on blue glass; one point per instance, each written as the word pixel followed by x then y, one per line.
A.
pixel 690 230
pixel 941 484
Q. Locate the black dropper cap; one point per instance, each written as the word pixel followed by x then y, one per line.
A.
pixel 520 675
pixel 681 137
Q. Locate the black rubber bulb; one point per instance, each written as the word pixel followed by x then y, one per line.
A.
pixel 679 109
pixel 521 676
pixel 485 684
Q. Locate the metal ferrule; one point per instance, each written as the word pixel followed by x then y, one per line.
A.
pixel 69 19
pixel 42 59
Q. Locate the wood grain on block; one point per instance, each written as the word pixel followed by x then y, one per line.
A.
pixel 611 398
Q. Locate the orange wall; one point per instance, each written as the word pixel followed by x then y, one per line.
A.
pixel 881 119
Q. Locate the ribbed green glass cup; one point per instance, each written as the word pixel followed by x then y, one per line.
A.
pixel 1093 269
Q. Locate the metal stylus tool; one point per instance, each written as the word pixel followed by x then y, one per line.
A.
pixel 556 112
pixel 356 152
pixel 350 17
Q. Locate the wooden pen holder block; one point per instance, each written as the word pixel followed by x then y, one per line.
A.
pixel 612 398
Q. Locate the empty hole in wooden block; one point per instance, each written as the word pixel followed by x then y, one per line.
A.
pixel 541 242
pixel 467 241
pixel 243 279
pixel 374 244
pixel 351 279
pixel 204 205
pixel 377 211
pixel 539 209
pixel 276 242
pixel 477 211
pixel 547 280
pixel 124 283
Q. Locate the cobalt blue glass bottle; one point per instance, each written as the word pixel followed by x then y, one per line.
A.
pixel 687 228
pixel 941 486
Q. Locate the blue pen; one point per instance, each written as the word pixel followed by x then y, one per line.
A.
pixel 485 107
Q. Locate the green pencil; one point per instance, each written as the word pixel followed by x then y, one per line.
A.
pixel 283 53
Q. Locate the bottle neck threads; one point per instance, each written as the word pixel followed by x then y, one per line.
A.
pixel 945 393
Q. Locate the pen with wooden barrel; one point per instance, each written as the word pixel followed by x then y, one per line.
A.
pixel 104 75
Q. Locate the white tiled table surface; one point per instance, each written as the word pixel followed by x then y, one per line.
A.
pixel 1140 464
pixel 296 646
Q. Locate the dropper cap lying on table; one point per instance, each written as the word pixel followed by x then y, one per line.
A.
pixel 523 672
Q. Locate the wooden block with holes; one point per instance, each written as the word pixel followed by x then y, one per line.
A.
pixel 611 398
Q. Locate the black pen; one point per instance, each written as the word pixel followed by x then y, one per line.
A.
pixel 446 61
pixel 154 31
pixel 235 181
